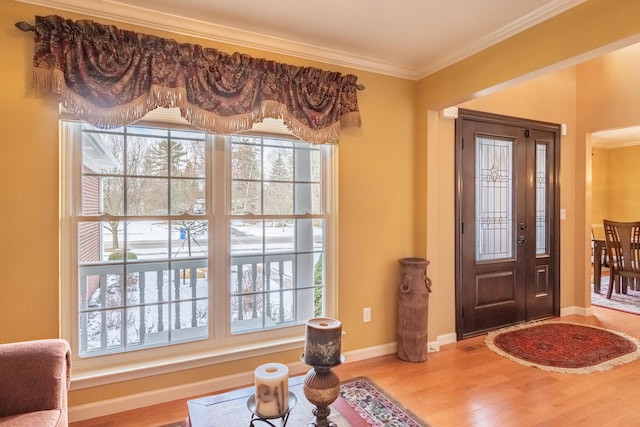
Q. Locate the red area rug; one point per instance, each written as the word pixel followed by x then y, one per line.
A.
pixel 564 347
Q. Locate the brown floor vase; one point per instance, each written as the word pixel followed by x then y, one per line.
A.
pixel 413 310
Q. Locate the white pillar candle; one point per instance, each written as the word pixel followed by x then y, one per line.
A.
pixel 323 342
pixel 272 389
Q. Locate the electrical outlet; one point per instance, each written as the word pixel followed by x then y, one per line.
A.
pixel 366 314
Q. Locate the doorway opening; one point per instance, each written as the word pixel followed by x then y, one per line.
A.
pixel 614 177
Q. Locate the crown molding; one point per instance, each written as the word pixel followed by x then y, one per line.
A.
pixel 119 12
pixel 525 22
pixel 113 11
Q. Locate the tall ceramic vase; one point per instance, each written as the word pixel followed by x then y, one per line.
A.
pixel 413 310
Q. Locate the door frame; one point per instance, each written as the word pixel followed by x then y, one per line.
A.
pixel 554 181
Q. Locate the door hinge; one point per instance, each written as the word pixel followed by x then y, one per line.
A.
pixel 526 133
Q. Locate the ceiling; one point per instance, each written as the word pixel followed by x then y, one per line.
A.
pixel 616 138
pixel 403 38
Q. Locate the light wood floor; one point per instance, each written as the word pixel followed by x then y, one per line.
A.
pixel 467 384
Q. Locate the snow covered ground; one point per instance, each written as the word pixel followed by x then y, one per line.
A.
pixel 149 317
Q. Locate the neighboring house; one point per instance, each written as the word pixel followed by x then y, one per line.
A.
pixel 88 233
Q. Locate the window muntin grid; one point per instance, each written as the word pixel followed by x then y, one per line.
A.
pixel 170 299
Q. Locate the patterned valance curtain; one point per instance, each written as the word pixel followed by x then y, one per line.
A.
pixel 111 77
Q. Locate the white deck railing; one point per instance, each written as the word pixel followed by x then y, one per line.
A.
pixel 167 302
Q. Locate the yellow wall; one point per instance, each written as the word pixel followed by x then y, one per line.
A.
pixel 28 192
pixel 616 184
pixel 608 98
pixel 609 92
pixel 556 44
pixel 599 185
pixel 396 194
pixel 376 207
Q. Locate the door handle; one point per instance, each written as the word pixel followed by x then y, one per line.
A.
pixel 522 227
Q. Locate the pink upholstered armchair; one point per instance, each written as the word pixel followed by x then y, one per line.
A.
pixel 34 380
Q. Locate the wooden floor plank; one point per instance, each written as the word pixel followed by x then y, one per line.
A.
pixel 466 384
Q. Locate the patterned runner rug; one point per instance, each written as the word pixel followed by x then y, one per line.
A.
pixel 372 406
pixel 564 347
pixel 360 404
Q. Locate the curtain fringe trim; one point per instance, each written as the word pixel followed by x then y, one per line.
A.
pixel 351 119
pixel 46 80
pixel 214 123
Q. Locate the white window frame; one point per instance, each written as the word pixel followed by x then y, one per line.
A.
pixel 220 346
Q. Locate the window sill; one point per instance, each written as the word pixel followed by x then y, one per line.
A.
pixel 92 377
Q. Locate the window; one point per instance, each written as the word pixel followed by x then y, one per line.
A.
pixel 174 236
pixel 277 232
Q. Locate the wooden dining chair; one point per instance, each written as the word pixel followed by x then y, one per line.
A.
pixel 597 234
pixel 623 250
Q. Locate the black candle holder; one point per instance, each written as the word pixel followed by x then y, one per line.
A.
pixel 255 416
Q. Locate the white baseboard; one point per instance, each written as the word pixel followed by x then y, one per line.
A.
pixel 140 400
pixel 442 340
pixel 211 386
pixel 567 311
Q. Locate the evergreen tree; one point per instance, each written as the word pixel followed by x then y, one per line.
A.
pixel 247 171
pixel 278 192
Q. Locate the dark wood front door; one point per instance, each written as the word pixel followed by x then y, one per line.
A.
pixel 507 229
